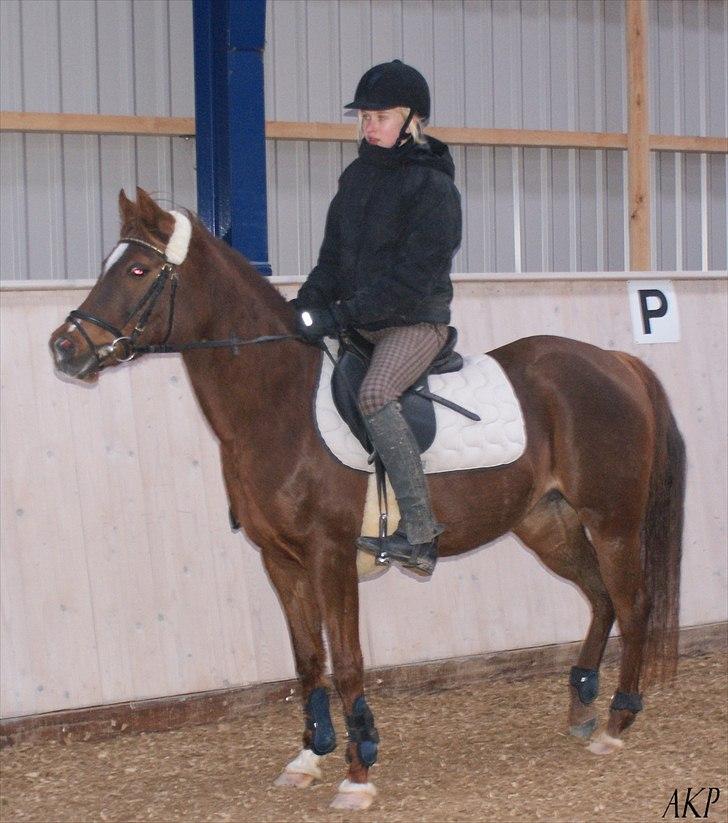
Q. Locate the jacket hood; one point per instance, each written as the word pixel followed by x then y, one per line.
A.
pixel 433 153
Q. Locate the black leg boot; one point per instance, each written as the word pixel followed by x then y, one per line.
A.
pixel 414 544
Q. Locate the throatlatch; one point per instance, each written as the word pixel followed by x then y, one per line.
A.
pixel 318 722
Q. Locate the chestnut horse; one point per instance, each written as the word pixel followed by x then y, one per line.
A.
pixel 598 493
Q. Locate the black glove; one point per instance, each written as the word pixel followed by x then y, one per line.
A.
pixel 342 315
pixel 315 324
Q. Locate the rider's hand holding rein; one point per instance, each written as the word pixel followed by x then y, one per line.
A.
pixel 392 230
pixel 316 323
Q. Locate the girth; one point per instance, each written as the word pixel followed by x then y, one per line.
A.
pixel 354 357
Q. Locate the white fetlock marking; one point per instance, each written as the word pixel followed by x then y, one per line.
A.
pixel 354 796
pixel 307 762
pixel 347 787
pixel 293 780
pixel 605 744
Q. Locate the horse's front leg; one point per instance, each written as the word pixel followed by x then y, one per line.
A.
pixel 302 612
pixel 337 584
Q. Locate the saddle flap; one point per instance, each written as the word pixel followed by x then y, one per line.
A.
pixel 355 355
pixel 447 360
pixel 347 378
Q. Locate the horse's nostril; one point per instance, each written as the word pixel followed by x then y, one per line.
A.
pixel 64 345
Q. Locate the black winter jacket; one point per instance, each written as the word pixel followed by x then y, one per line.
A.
pixel 391 232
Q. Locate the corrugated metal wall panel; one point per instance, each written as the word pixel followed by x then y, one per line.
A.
pixel 689 95
pixel 498 63
pixel 716 61
pixel 718 211
pixel 11 79
pixel 59 213
pixel 59 199
pixel 491 63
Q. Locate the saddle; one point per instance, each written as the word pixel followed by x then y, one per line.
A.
pixel 355 354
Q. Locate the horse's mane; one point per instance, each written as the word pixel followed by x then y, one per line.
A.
pixel 239 264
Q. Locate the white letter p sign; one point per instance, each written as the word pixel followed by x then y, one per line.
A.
pixel 653 306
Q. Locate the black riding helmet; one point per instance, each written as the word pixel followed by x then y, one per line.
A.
pixel 390 85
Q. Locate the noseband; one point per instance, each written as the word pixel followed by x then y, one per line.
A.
pixel 124 347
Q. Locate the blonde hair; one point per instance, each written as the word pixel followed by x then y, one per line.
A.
pixel 415 127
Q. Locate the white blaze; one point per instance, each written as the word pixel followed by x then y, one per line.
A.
pixel 115 255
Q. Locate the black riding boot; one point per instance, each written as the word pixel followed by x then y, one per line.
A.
pixel 414 544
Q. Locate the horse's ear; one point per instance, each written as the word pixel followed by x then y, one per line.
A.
pixel 149 211
pixel 127 209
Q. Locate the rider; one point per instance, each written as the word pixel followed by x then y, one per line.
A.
pixel 384 270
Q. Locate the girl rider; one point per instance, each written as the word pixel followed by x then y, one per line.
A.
pixel 384 269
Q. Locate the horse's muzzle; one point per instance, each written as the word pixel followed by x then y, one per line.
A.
pixel 72 357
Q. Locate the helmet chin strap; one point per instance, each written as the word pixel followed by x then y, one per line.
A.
pixel 403 133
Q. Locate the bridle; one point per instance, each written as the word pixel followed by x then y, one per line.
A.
pixel 124 346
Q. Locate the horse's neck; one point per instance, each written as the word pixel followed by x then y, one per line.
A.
pixel 232 299
pixel 255 385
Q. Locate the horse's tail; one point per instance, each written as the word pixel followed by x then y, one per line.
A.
pixel 662 536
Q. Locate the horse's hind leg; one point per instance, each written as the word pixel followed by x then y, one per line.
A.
pixel 553 530
pixel 618 552
pixel 304 623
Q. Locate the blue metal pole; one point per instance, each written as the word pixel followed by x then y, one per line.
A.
pixel 246 113
pixel 229 37
pixel 211 115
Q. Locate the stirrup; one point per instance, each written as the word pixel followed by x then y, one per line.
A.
pixel 373 546
pixel 421 557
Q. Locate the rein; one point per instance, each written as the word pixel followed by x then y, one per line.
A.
pixel 127 343
pixel 231 343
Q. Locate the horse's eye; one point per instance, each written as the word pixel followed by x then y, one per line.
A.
pixel 137 271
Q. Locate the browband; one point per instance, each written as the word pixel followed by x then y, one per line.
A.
pixel 179 242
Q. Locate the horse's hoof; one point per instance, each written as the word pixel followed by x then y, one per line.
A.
pixel 294 780
pixel 605 744
pixel 301 772
pixel 584 730
pixel 354 796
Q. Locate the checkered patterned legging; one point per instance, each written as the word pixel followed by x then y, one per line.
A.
pixel 400 356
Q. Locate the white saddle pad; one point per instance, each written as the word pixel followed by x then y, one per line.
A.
pixel 481 386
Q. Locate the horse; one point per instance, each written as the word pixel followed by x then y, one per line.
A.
pixel 598 493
